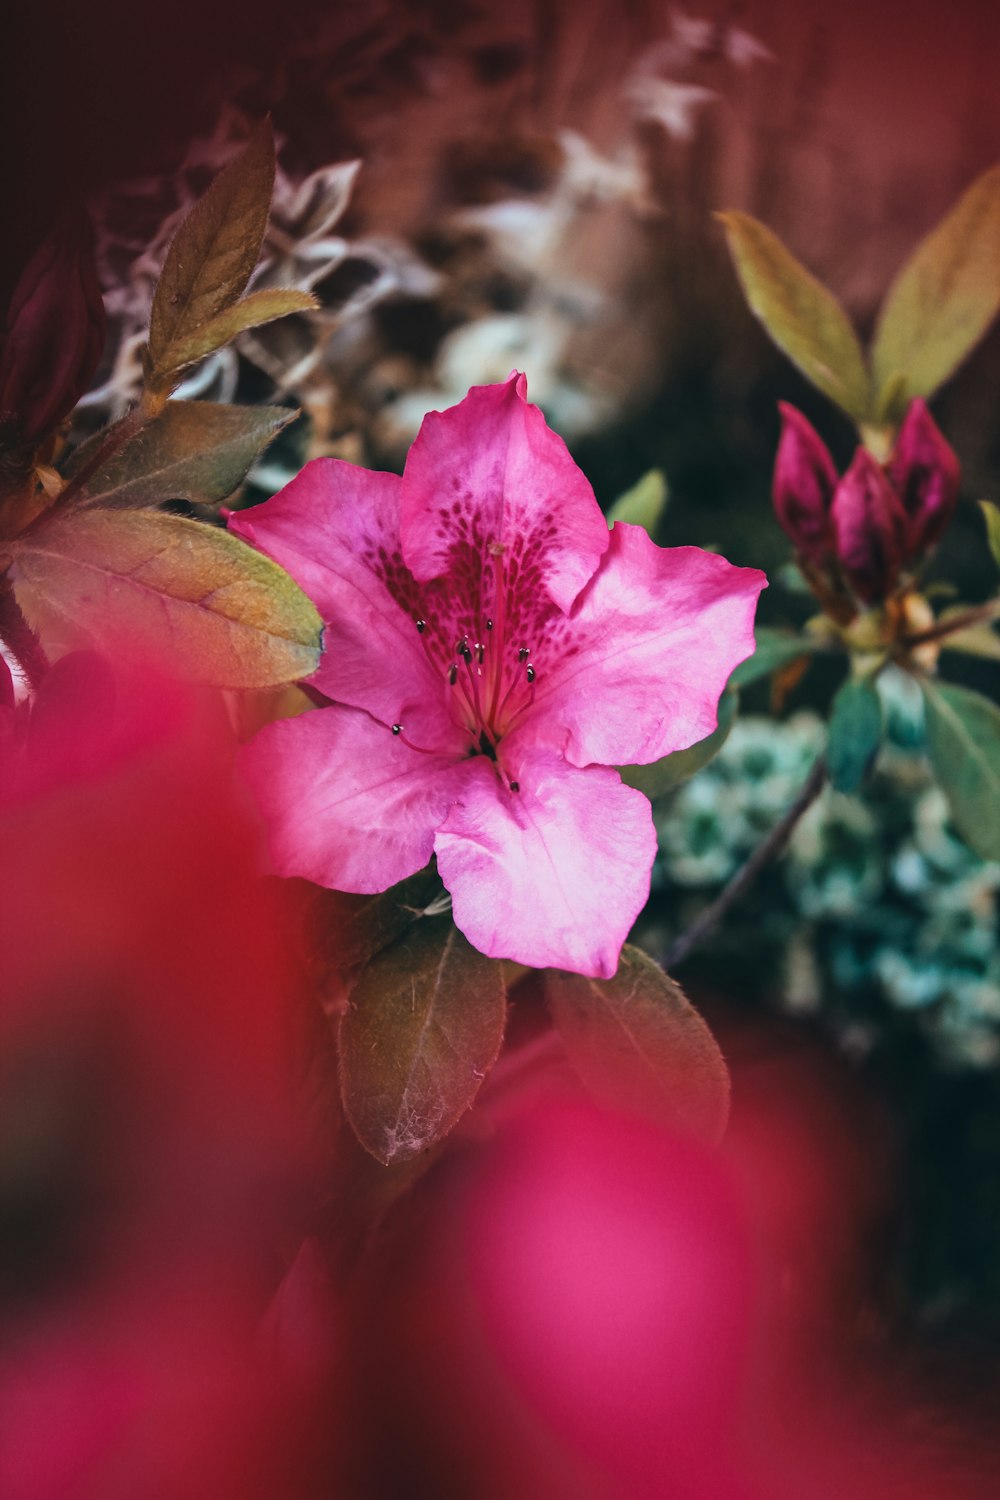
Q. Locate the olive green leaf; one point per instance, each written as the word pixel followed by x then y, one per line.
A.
pixel 975 640
pixel 854 734
pixel 638 1043
pixel 191 595
pixel 194 450
pixel 803 318
pixel 214 333
pixel 943 300
pixel 214 252
pixel 644 504
pixel 774 649
pixel 963 738
pixel 423 1027
pixel 345 931
pixel 663 775
pixel 992 518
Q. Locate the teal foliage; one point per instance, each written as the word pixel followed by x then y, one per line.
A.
pixel 877 912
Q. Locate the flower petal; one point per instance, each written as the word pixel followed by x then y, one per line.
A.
pixel 637 669
pixel 925 474
pixel 870 525
pixel 335 529
pixel 490 473
pixel 348 805
pixel 804 481
pixel 552 874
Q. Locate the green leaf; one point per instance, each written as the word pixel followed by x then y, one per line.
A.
pixel 992 518
pixel 802 317
pixel 944 299
pixel 963 738
pixel 854 734
pixel 976 640
pixel 644 504
pixel 639 1044
pixel 775 648
pixel 194 450
pixel 663 775
pixel 149 582
pixel 257 308
pixel 424 1025
pixel 216 248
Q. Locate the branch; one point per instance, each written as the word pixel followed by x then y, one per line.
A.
pixel 115 438
pixel 771 845
pixel 977 614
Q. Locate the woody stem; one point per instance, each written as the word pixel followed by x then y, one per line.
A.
pixel 769 846
pixel 116 437
pixel 979 614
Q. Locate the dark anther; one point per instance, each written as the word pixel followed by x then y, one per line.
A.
pixel 452 674
pixel 531 673
pixel 421 626
pixel 480 652
pixel 486 746
pixel 515 786
pixel 489 624
pixel 397 728
pixel 464 651
pixel 524 653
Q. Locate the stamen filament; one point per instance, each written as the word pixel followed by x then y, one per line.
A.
pixel 397 731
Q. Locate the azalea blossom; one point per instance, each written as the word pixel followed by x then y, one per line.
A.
pixel 859 533
pixel 492 653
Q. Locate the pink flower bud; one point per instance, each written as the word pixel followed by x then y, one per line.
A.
pixel 54 334
pixel 870 526
pixel 924 473
pixel 804 481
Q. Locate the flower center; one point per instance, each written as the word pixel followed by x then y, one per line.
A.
pixel 479 625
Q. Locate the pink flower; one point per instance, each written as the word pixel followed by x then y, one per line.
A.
pixel 864 530
pixel 804 481
pixel 870 525
pixel 925 474
pixel 491 653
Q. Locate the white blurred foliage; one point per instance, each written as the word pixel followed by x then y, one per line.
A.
pixel 135 222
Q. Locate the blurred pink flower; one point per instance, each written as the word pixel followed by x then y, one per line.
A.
pixel 804 481
pixel 153 1172
pixel 870 526
pixel 925 474
pixel 492 653
pixel 878 519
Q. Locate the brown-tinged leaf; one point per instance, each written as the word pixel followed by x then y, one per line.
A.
pixel 194 450
pixel 639 1044
pixel 343 932
pixel 424 1025
pixel 785 680
pixel 943 300
pixel 257 308
pixel 193 596
pixel 801 315
pixel 213 253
